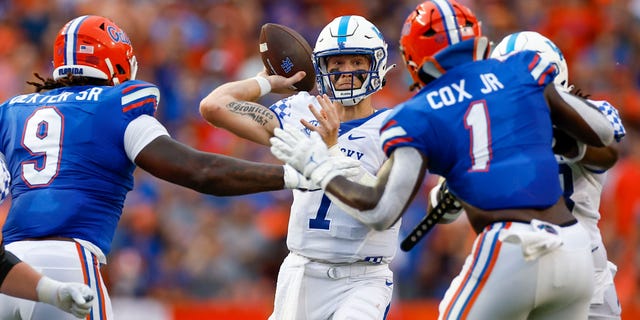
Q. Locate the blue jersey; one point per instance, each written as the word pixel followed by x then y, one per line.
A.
pixel 486 127
pixel 65 151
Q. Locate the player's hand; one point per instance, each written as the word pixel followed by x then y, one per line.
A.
pixel 283 85
pixel 436 195
pixel 310 156
pixel 328 119
pixel 296 180
pixel 297 149
pixel 75 298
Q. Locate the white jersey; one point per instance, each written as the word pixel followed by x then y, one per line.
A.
pixel 582 189
pixel 582 186
pixel 320 230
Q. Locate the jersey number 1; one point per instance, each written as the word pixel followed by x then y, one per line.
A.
pixel 476 120
pixel 320 221
pixel 42 137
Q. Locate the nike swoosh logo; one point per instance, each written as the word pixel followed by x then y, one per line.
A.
pixel 388 283
pixel 352 137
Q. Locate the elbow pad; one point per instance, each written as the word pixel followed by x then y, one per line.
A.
pixel 592 116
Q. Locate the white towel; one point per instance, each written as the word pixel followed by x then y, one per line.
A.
pixel 541 239
pixel 289 282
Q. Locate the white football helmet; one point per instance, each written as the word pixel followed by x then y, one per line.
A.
pixel 531 40
pixel 351 35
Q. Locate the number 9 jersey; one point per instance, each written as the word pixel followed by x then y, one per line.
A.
pixel 70 162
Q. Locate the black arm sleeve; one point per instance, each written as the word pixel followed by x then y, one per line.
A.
pixel 7 262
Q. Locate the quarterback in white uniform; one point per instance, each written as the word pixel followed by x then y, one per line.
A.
pixel 337 267
pixel 582 174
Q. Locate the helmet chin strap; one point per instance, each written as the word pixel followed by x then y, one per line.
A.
pixel 384 72
pixel 351 101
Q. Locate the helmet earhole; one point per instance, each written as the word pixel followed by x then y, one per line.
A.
pixel 429 33
pixel 120 69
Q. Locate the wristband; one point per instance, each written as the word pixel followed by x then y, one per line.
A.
pixel 47 290
pixel 263 83
pixel 291 177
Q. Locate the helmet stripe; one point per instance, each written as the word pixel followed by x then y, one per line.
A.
pixel 71 39
pixel 343 27
pixel 511 43
pixel 449 19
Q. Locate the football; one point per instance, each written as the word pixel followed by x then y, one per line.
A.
pixel 284 52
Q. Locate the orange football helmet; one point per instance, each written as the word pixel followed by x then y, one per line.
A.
pixel 94 47
pixel 435 25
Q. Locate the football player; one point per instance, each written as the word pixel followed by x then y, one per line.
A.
pixel 71 149
pixel 337 267
pixel 19 280
pixel 486 126
pixel 583 170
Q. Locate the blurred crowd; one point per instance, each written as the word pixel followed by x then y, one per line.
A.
pixel 174 244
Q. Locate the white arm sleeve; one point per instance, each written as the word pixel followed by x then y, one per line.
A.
pixel 592 116
pixel 397 193
pixel 140 132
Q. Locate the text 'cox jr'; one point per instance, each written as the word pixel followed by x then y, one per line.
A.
pixel 456 93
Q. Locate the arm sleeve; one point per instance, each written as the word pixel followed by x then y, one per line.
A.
pixel 397 193
pixel 140 132
pixel 592 116
pixel 7 262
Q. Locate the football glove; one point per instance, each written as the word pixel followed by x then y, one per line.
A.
pixel 310 156
pixel 71 297
pixel 436 195
pixel 295 180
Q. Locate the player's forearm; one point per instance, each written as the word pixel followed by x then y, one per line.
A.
pixel 382 205
pixel 218 99
pixel 602 158
pixel 226 176
pixel 237 114
pixel 354 195
pixel 589 126
pixel 21 282
pixel 363 204
pixel 205 172
pixel 241 90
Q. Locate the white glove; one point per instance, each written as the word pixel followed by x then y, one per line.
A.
pixel 295 180
pixel 310 156
pixel 300 151
pixel 75 298
pixel 437 194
